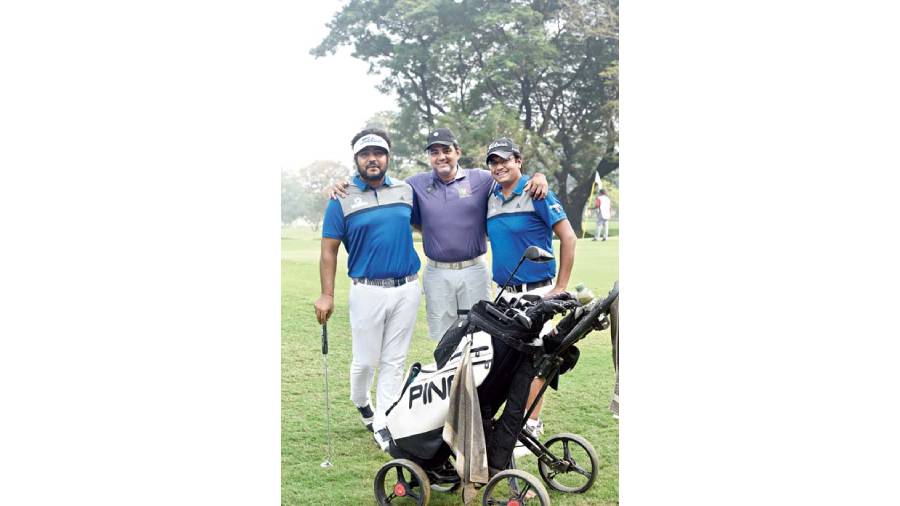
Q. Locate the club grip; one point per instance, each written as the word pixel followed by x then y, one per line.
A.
pixel 325 339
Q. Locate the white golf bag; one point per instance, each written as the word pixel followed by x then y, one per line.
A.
pixel 416 420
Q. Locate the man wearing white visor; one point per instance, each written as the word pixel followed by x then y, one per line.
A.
pixel 373 223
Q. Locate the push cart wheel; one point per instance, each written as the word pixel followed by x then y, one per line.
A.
pixel 576 467
pixel 402 481
pixel 514 487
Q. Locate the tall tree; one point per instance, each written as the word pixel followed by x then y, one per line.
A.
pixel 544 72
pixel 303 192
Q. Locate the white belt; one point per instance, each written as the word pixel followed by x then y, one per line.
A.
pixel 385 283
pixel 455 265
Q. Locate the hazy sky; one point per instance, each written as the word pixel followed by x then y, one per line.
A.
pixel 335 98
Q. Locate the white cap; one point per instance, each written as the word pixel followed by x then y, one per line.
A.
pixel 370 140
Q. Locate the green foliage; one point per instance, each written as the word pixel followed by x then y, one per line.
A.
pixel 291 198
pixel 543 72
pixel 304 193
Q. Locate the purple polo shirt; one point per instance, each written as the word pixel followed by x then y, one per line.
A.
pixel 452 215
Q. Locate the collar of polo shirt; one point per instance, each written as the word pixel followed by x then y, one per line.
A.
pixel 520 187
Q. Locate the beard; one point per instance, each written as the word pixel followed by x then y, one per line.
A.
pixel 364 173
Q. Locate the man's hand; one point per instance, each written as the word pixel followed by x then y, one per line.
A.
pixel 558 292
pixel 324 308
pixel 339 190
pixel 537 186
pixel 543 311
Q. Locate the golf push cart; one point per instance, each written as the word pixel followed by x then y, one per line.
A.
pixel 423 462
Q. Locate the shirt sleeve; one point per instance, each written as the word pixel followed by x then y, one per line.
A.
pixel 334 225
pixel 549 209
pixel 416 217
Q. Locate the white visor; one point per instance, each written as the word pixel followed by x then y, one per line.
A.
pixel 370 140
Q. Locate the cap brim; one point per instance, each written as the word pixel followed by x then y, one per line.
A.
pixel 502 154
pixel 442 143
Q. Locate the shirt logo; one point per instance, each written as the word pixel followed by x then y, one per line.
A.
pixel 357 202
pixel 556 207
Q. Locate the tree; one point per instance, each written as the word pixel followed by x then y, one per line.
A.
pixel 544 72
pixel 291 198
pixel 304 192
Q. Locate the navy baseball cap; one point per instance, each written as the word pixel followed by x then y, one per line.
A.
pixel 440 136
pixel 503 147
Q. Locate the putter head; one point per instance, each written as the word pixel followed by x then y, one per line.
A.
pixel 326 464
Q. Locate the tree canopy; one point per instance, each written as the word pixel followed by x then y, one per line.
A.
pixel 303 192
pixel 544 72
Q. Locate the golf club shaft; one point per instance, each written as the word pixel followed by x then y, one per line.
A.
pixel 330 455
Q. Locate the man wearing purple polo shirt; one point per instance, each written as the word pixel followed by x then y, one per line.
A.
pixel 449 208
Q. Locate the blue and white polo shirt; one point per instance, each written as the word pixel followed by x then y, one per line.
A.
pixel 374 225
pixel 516 223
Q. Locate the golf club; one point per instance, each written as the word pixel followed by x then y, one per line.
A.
pixel 532 253
pixel 329 455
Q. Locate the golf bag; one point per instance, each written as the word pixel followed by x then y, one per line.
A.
pixel 416 420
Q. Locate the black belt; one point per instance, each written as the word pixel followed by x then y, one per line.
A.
pixel 527 287
pixel 385 283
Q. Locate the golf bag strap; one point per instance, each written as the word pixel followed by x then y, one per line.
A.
pixel 413 372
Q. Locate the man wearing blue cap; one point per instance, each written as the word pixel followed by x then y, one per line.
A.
pixel 373 223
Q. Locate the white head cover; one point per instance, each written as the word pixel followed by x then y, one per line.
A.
pixel 370 140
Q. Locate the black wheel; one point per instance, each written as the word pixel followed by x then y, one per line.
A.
pixel 402 481
pixel 576 470
pixel 514 487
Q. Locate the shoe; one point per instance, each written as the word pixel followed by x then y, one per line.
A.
pixel 367 416
pixel 536 429
pixel 383 438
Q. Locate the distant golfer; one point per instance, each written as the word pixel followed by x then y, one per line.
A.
pixel 373 223
pixel 604 213
pixel 514 222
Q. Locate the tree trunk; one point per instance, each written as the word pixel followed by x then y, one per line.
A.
pixel 606 165
pixel 575 204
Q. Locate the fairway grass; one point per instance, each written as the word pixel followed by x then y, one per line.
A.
pixel 581 405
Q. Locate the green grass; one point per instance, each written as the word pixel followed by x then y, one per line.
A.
pixel 581 405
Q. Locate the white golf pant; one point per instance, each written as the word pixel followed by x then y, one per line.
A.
pixel 602 228
pixel 449 290
pixel 382 321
